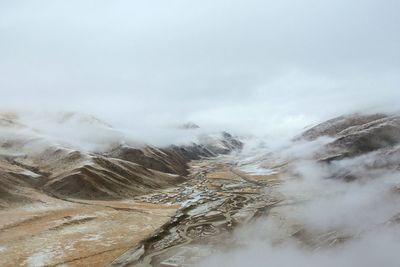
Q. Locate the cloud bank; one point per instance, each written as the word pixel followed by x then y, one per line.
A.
pixel 250 66
pixel 324 221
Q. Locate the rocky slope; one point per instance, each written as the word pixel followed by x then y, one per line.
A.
pixel 356 134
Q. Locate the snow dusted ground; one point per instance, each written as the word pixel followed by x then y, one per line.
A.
pixel 257 170
pixel 55 232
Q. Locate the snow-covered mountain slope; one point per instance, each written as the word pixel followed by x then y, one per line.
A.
pixel 356 134
pixel 48 156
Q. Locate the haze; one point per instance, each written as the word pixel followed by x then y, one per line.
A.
pixel 263 66
pixel 140 133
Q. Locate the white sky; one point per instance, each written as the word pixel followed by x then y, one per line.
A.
pixel 263 66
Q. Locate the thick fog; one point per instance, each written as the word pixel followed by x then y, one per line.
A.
pixel 260 67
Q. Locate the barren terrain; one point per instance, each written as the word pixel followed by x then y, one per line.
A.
pixel 143 230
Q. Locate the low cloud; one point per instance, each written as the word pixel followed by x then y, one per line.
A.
pixel 324 220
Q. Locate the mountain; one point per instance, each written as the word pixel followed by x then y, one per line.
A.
pixel 359 146
pixel 33 160
pixel 356 134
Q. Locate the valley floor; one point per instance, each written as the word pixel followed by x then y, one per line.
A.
pixel 166 228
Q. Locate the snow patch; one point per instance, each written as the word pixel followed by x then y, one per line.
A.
pixel 81 217
pixel 92 237
pixel 30 173
pixel 39 207
pixel 257 170
pixel 194 197
pixel 40 258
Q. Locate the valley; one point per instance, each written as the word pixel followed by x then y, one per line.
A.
pixel 149 230
pixel 181 206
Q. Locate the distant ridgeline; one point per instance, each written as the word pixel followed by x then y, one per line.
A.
pixel 123 171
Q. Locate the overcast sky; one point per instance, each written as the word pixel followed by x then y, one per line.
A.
pixel 248 64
